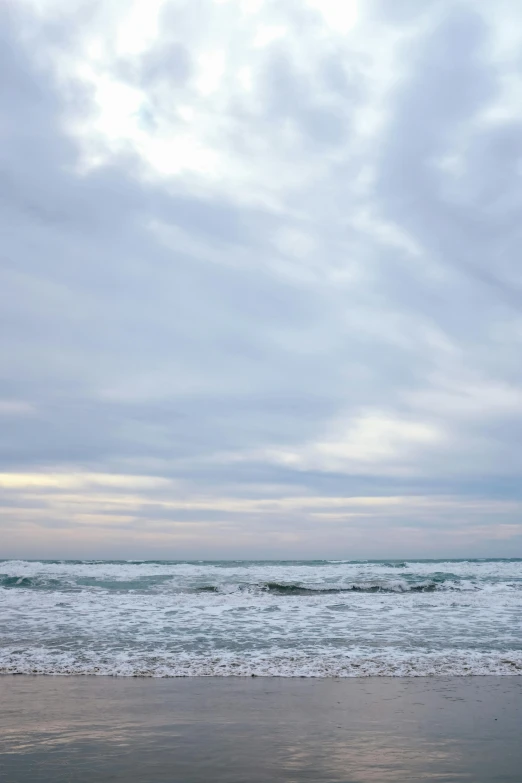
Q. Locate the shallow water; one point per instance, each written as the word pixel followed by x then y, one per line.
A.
pixel 320 618
pixel 195 730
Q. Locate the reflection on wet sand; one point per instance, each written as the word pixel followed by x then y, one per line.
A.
pixel 379 758
pixel 373 730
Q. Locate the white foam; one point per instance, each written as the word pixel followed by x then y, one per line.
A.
pixel 276 663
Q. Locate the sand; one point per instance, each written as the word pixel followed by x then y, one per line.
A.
pixel 256 730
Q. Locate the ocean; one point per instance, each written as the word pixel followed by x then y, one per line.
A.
pixel 324 618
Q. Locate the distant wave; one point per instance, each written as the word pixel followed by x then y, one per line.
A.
pixel 277 588
pixel 169 584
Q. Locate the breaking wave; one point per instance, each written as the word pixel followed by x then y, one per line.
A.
pixel 276 588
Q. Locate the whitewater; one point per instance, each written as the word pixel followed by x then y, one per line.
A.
pixel 261 618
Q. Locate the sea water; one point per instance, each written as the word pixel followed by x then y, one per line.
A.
pixel 267 618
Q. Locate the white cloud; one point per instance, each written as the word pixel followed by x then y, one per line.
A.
pixel 375 440
pixel 340 15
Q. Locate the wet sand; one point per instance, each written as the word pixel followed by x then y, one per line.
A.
pixel 258 730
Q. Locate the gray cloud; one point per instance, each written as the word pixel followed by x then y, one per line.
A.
pixel 338 317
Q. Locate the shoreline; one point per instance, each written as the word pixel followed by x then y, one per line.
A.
pixel 266 677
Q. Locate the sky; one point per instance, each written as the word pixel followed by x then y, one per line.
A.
pixel 260 278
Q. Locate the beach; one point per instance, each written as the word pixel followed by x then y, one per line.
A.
pixel 258 671
pixel 257 729
pixel 260 391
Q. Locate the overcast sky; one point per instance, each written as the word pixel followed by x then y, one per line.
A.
pixel 261 278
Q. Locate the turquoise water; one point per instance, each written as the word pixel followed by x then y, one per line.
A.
pixel 282 618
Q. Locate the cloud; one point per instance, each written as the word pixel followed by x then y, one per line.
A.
pixel 269 257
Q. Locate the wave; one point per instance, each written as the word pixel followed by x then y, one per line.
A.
pixel 166 583
pixel 318 664
pixel 16 581
pixel 399 587
pixel 276 578
pixel 32 582
pixel 277 588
